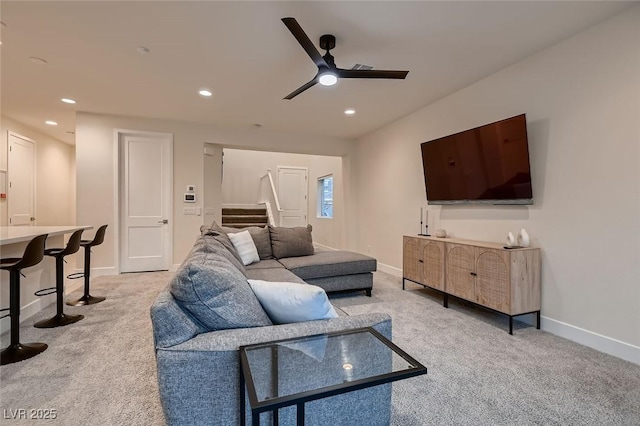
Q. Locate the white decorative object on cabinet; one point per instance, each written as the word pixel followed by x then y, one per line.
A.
pixel 523 238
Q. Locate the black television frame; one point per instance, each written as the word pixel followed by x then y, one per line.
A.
pixel 498 201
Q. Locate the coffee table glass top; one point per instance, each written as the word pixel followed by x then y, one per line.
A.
pixel 323 363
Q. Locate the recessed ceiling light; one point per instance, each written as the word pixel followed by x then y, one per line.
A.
pixel 68 101
pixel 38 61
pixel 205 92
pixel 349 111
pixel 51 123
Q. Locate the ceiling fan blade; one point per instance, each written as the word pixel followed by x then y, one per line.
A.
pixel 301 89
pixel 399 75
pixel 305 42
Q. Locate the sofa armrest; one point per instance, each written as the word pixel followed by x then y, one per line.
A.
pixel 199 378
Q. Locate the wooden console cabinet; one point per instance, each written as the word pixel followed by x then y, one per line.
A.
pixel 503 280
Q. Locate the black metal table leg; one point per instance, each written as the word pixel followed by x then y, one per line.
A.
pixel 243 419
pixel 300 414
pixel 538 320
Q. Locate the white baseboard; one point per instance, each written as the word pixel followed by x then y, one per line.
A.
pixel 26 312
pixel 588 338
pixel 593 340
pixel 99 272
pixel 391 270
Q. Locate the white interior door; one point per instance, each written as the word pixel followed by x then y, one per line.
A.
pixel 145 197
pixel 292 193
pixel 21 167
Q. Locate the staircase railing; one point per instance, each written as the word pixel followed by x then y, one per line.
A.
pixel 270 218
pixel 271 194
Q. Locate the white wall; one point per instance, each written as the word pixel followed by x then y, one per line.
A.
pixel 95 168
pixel 243 170
pixel 55 175
pixel 582 99
pixel 212 189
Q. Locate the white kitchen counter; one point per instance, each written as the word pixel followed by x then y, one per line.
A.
pixel 18 234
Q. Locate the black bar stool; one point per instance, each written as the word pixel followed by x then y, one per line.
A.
pixel 88 299
pixel 60 318
pixel 33 254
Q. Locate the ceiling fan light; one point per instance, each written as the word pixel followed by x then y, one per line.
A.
pixel 328 78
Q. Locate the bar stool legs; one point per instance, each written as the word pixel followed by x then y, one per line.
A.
pixel 86 298
pixel 18 351
pixel 60 318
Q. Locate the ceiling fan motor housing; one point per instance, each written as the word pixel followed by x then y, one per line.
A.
pixel 327 42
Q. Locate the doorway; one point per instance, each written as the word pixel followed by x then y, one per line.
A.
pixel 292 192
pixel 145 199
pixel 21 177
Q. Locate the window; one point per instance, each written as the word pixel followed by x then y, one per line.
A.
pixel 325 196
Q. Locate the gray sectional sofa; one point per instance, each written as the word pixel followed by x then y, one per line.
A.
pixel 209 310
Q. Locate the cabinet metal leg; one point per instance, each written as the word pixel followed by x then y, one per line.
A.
pixel 538 320
pixel 445 300
pixel 510 324
pixel 403 283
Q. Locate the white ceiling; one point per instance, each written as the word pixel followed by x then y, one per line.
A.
pixel 248 58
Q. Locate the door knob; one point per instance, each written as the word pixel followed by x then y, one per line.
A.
pixel 164 221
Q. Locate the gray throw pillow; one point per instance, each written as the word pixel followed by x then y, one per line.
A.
pixel 262 240
pixel 211 244
pixel 217 295
pixel 204 229
pixel 291 242
pixel 216 232
pixel 260 237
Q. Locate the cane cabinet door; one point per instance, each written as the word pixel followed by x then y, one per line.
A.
pixel 492 279
pixel 461 271
pixel 433 264
pixel 412 265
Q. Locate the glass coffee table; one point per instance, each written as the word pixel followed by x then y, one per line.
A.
pixel 294 371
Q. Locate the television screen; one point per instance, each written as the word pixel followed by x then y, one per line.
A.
pixel 488 164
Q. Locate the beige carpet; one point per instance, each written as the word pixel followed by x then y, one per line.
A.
pixel 101 370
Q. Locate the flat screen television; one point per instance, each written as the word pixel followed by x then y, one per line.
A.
pixel 485 165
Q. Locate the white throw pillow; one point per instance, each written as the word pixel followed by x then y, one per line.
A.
pixel 245 247
pixel 292 302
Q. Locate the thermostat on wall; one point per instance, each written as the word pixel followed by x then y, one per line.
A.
pixel 189 197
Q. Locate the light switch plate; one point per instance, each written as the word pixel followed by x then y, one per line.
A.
pixel 191 211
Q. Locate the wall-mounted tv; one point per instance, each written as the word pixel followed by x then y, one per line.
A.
pixel 485 165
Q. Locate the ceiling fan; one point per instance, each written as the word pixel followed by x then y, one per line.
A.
pixel 328 74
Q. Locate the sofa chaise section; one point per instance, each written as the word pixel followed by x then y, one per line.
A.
pixel 334 271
